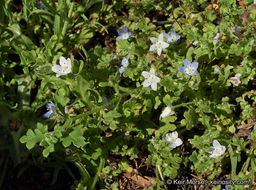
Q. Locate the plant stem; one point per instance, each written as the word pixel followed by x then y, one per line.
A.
pixel 95 179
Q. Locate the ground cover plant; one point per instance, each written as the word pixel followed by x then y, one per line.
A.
pixel 99 94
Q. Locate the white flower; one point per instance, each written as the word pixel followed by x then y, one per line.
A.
pixel 195 43
pixel 158 44
pixel 167 112
pixel 236 79
pixel 172 140
pixel 64 67
pixel 254 2
pixel 216 70
pixel 151 79
pixel 217 150
pixel 216 38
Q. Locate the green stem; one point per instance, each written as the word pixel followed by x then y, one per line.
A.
pixel 160 173
pixel 96 177
pixel 157 176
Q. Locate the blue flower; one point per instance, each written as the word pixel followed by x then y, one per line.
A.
pixel 51 109
pixel 189 68
pixel 121 70
pixel 125 63
pixel 124 34
pixel 173 37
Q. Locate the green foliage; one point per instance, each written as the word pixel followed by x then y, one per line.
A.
pixel 106 122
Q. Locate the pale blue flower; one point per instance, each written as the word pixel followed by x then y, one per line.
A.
pixel 125 63
pixel 121 70
pixel 51 109
pixel 173 37
pixel 189 68
pixel 124 34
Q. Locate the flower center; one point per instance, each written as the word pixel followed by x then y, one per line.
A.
pixel 217 151
pixel 65 69
pixel 172 141
pixel 172 38
pixel 189 70
pixel 125 35
pixel 152 78
pixel 159 44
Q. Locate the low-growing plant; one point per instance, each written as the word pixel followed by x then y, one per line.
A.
pixel 133 93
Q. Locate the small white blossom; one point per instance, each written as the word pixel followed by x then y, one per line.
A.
pixel 64 68
pixel 158 44
pixel 216 38
pixel 151 79
pixel 216 70
pixel 195 43
pixel 172 139
pixel 167 112
pixel 236 79
pixel 217 150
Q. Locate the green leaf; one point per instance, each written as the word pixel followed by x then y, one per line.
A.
pixel 33 137
pixel 190 120
pixel 75 137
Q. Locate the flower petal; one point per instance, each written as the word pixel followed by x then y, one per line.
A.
pixel 174 134
pixel 145 74
pixel 57 69
pixel 194 64
pixel 152 47
pixel 153 40
pixel 181 69
pixel 159 51
pixel 125 62
pixel 125 29
pixel 121 70
pixel 119 31
pixel 173 32
pixel 63 61
pixel 48 114
pixel 152 71
pixel 154 86
pixel 216 143
pixel 161 37
pixel 194 73
pixel 178 142
pixel 186 62
pixel 165 45
pixel 147 83
pixel 118 38
pixel 157 79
